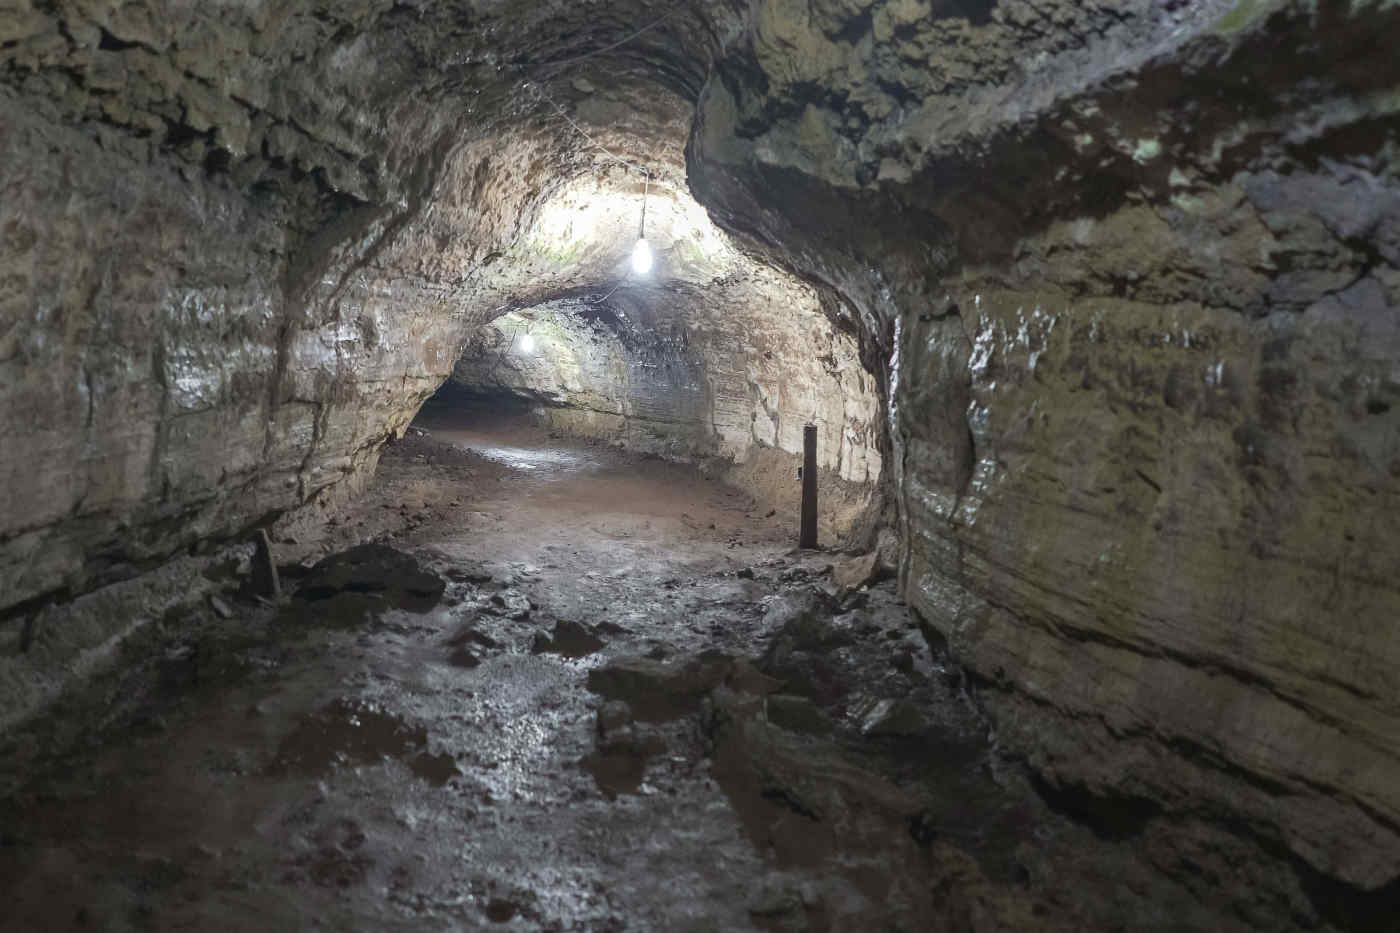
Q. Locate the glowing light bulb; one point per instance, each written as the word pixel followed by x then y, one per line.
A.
pixel 527 344
pixel 641 257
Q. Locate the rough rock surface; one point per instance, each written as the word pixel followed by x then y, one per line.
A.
pixel 1134 267
pixel 245 772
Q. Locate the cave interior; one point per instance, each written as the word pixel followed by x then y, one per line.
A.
pixel 406 412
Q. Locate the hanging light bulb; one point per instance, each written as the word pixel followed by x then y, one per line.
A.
pixel 527 344
pixel 641 253
pixel 641 257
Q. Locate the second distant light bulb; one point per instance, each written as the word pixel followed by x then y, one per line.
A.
pixel 641 257
pixel 527 344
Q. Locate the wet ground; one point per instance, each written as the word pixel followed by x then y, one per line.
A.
pixel 528 683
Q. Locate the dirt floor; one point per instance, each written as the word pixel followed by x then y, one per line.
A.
pixel 527 683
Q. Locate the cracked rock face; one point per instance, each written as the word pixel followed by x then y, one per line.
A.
pixel 1123 277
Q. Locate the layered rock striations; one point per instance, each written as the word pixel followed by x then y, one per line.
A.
pixel 1136 268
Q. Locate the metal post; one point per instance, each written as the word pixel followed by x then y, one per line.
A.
pixel 808 537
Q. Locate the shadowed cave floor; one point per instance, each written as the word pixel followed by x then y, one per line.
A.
pixel 572 690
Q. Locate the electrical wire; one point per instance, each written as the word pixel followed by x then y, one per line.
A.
pixel 500 358
pixel 599 301
pixel 538 91
pixel 541 93
pixel 562 63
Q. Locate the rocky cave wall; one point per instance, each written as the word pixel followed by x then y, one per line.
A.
pixel 1136 270
pixel 166 377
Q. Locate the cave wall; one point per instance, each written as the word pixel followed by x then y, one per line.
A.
pixel 170 175
pixel 1193 502
pixel 1134 270
pixel 160 386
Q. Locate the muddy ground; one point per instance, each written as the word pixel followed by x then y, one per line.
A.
pixel 528 683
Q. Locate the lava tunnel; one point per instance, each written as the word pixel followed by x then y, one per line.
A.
pixel 406 430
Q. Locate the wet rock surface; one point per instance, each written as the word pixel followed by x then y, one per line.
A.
pixel 1140 333
pixel 350 733
pixel 761 750
pixel 368 577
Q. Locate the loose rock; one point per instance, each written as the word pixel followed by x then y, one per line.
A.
pixel 570 639
pixel 858 571
pixel 366 579
pixel 265 581
pixel 657 691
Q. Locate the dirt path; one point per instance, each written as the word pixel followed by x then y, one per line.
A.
pixel 563 689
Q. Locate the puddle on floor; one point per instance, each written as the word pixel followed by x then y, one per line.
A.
pixel 351 732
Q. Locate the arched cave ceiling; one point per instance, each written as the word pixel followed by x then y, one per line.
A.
pixel 436 146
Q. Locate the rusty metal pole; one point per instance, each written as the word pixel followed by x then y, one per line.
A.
pixel 808 538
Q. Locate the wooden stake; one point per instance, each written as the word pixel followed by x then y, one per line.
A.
pixel 808 537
